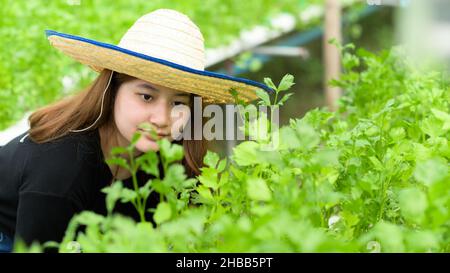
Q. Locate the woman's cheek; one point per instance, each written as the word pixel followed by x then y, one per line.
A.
pixel 127 119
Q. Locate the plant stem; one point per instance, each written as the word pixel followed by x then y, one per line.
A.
pixel 140 206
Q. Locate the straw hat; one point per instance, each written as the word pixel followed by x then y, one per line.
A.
pixel 164 47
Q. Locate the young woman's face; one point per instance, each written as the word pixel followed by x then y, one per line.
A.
pixel 139 101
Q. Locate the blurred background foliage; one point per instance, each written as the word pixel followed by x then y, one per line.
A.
pixel 33 74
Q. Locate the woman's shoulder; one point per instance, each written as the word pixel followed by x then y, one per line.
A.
pixel 74 147
pixel 59 166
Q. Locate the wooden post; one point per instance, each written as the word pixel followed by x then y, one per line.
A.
pixel 332 63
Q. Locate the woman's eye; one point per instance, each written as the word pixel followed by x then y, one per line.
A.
pixel 146 97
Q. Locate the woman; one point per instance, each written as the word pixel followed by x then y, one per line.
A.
pixel 58 168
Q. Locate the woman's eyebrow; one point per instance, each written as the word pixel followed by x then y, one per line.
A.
pixel 148 86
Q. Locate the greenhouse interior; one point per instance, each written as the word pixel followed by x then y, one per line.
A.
pixel 225 126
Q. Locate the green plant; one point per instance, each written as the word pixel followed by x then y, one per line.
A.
pixel 373 176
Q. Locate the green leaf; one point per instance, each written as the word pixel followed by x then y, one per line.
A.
pixel 223 179
pixel 432 127
pixel 209 178
pixel 284 98
pixel 160 186
pixel 258 190
pixel 127 195
pixel 390 237
pixel 237 172
pixel 362 143
pixel 422 241
pixel 264 96
pixel 119 161
pixel 89 218
pixel 119 150
pixel 136 136
pixel 222 165
pixel 397 134
pixel 149 128
pixel 413 203
pixel 376 163
pixel 145 190
pixel 350 61
pixel 163 213
pixel 149 162
pixel 326 157
pixel 289 139
pixel 431 171
pixel 307 136
pixel 270 83
pixel 113 193
pixel 443 116
pixel 175 176
pixel 170 152
pixel 245 154
pixel 286 83
pixel 372 131
pixel 205 194
pixel 211 159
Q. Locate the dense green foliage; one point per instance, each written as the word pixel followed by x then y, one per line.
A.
pixel 373 176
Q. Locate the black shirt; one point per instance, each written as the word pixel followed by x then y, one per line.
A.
pixel 42 186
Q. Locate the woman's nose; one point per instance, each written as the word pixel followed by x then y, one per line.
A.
pixel 160 115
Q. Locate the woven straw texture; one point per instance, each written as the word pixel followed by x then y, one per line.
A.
pixel 164 35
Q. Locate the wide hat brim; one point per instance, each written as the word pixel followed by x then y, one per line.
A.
pixel 212 87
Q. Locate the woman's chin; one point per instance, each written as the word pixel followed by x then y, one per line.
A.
pixel 144 145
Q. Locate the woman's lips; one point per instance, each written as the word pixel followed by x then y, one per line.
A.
pixel 148 135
